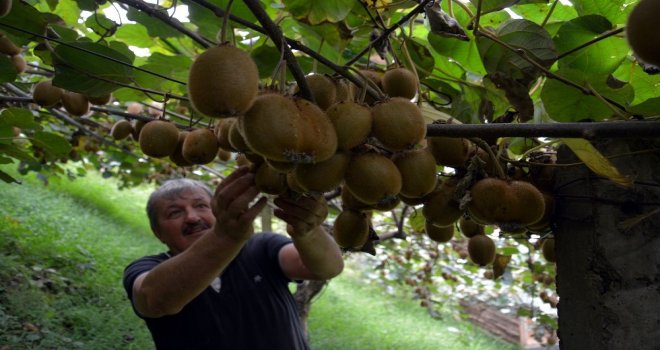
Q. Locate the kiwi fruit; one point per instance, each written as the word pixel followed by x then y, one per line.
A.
pixel 352 122
pixel 137 127
pixel 351 229
pixel 546 219
pixel 269 180
pixel 236 139
pixel 19 63
pixel 222 133
pixel 320 133
pixel 400 82
pixel 75 103
pixel 99 100
pixel 469 228
pixel 530 202
pixel 45 94
pixel 548 250
pixel 224 155
pixel 398 124
pixel 418 173
pixel 200 146
pixel 492 201
pixel 373 178
pixel 121 129
pixel 323 89
pixel 350 202
pixel 499 264
pixel 376 79
pixel 177 156
pixel 450 151
pixel 158 138
pixel 440 234
pixel 223 82
pixel 292 183
pixel 642 28
pixel 344 90
pixel 440 206
pixel 323 176
pixel 242 160
pixel 8 47
pixel 283 167
pixel 481 250
pixel 5 7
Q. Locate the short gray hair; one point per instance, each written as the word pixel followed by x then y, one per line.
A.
pixel 170 189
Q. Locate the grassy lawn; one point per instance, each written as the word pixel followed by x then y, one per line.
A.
pixel 63 248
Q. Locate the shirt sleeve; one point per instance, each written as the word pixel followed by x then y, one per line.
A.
pixel 266 247
pixel 138 267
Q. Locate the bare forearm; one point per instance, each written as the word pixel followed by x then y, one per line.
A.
pixel 319 253
pixel 174 283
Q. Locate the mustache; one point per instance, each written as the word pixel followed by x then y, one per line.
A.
pixel 195 227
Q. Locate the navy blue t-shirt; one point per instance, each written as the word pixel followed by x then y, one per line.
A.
pixel 250 308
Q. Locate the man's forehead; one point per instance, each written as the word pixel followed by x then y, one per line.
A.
pixel 188 194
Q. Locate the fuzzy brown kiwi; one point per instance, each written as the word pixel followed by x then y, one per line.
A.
pixel 344 90
pixel 492 201
pixel 137 127
pixel 373 178
pixel 546 219
pixel 99 100
pixel 283 167
pixel 269 180
pixel 159 138
pixel 8 47
pixel 224 155
pixel 200 146
pixel 530 206
pixel 548 250
pixel 242 160
pixel 642 27
pixel 469 228
pixel 374 77
pixel 400 82
pixel 222 128
pixel 440 206
pixel 5 7
pixel 352 122
pixel 350 202
pixel 450 151
pixel 121 129
pixel 177 156
pixel 418 173
pixel 321 143
pixel 440 234
pixel 323 176
pixel 351 229
pixel 45 94
pixel 223 82
pixel 323 89
pixel 236 138
pixel 292 183
pixel 19 63
pixel 75 103
pixel 481 249
pixel 398 124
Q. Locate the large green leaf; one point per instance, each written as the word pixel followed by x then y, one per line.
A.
pixel 174 67
pixel 8 71
pixel 464 53
pixel 316 12
pixel 18 117
pixel 101 24
pixel 68 10
pixel 419 54
pixel 518 34
pixel 25 17
pixel 493 5
pixel 208 23
pixel 538 12
pixel 567 104
pixel 602 57
pixel 52 143
pixel 155 26
pixel 647 101
pixel 616 11
pixel 135 35
pixel 266 57
pixel 90 68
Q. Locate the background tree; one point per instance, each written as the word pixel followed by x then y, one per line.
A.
pixel 504 83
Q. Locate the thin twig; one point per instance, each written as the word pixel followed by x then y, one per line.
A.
pixel 592 41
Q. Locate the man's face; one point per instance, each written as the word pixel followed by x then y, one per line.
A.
pixel 182 218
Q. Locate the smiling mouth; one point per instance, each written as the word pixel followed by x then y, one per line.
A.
pixel 195 228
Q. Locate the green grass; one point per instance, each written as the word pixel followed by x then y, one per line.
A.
pixel 63 248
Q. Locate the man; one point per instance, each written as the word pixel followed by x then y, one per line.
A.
pixel 220 286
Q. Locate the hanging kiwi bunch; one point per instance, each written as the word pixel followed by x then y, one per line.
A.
pixel 7 47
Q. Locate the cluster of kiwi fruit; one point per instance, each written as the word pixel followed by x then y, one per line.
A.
pixel 8 48
pixel 45 94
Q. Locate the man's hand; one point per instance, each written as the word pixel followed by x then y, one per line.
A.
pixel 231 205
pixel 302 214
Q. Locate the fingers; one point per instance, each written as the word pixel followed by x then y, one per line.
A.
pixel 302 214
pixel 231 178
pixel 239 190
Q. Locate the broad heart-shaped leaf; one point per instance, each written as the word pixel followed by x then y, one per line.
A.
pixel 600 58
pixel 101 24
pixel 68 10
pixel 419 54
pixel 52 143
pixel 155 27
pixel 174 67
pixel 18 117
pixel 463 52
pixel 567 104
pixel 266 57
pixel 25 17
pixel 616 11
pixel 647 101
pixel 519 34
pixel 538 12
pixel 595 161
pixel 134 34
pixel 87 5
pixel 90 68
pixel 493 5
pixel 8 72
pixel 320 11
pixel 208 23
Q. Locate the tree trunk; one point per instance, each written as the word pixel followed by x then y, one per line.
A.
pixel 305 292
pixel 608 263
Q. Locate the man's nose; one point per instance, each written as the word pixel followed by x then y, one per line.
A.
pixel 192 215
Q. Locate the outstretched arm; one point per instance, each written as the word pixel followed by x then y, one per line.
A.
pixel 314 254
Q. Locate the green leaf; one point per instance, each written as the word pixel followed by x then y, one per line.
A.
pixel 420 55
pixel 18 117
pixel 54 144
pixel 417 221
pixel 646 101
pixel 68 10
pixel 101 24
pixel 602 57
pixel 320 11
pixel 538 12
pixel 519 34
pixel 464 53
pixel 616 11
pixel 266 57
pixel 25 17
pixel 493 5
pixel 208 23
pixel 8 72
pixel 155 26
pixel 175 67
pixel 87 5
pixel 135 35
pixel 13 150
pixel 8 178
pixel 567 104
pixel 90 68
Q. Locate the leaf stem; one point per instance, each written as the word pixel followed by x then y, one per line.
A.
pixel 547 16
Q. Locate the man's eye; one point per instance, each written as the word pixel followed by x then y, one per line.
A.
pixel 173 213
pixel 202 205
